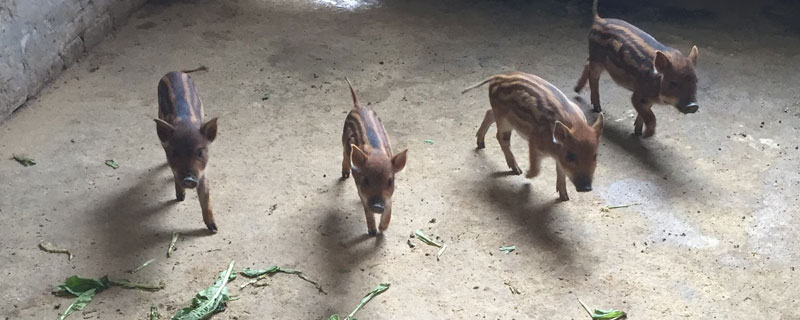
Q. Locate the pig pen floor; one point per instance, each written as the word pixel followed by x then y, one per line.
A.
pixel 713 234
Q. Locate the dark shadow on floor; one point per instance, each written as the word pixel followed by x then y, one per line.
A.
pixel 123 227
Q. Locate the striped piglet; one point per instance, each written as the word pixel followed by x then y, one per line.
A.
pixel 368 154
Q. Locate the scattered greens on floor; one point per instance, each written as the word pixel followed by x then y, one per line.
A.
pixel 599 314
pixel 609 208
pixel 140 267
pixel 171 247
pixel 508 249
pixel 79 303
pixel 23 160
pixel 133 285
pixel 209 301
pixel 441 251
pixel 265 97
pixel 50 248
pixel 378 290
pixel 428 141
pixel 422 237
pixel 258 274
pixel 84 289
pixel 154 315
pixel 113 164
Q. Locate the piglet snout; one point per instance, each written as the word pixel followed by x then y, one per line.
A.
pixel 583 185
pixel 189 182
pixel 690 108
pixel 376 206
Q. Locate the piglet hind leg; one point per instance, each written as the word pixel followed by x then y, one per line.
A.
pixel 504 130
pixel 561 184
pixel 205 205
pixel 644 118
pixel 345 164
pixel 488 119
pixel 535 160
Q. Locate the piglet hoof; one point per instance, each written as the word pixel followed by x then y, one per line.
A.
pixel 345 175
pixel 180 196
pixel 373 232
pixel 212 227
pixel 563 197
pixel 481 145
pixel 596 108
pixel 516 171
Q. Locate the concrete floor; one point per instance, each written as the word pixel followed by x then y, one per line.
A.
pixel 714 235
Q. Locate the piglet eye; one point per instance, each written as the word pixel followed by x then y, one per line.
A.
pixel 571 157
pixel 200 152
pixel 391 181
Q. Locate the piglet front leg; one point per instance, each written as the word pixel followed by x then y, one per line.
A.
pixel 205 205
pixel 370 222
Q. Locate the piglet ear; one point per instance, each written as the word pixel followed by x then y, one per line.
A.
pixel 661 62
pixel 164 130
pixel 693 55
pixel 209 130
pixel 560 133
pixel 598 126
pixel 399 161
pixel 357 157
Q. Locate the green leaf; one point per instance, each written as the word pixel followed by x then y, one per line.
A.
pixel 133 285
pixel 265 97
pixel 79 303
pixel 259 274
pixel 154 315
pixel 378 290
pixel 209 301
pixel 600 314
pixel 252 273
pixel 334 317
pixel 422 237
pixel 50 248
pixel 23 160
pixel 146 263
pixel 508 249
pixel 429 141
pixel 112 163
pixel 76 286
pixel 171 247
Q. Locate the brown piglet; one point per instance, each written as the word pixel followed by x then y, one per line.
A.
pixel 185 138
pixel 636 61
pixel 553 126
pixel 368 154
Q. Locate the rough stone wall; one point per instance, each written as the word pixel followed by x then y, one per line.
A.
pixel 41 38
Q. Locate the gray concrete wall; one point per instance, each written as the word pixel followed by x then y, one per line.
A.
pixel 40 38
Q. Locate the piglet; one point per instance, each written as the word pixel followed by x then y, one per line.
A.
pixel 368 154
pixel 636 61
pixel 185 138
pixel 553 125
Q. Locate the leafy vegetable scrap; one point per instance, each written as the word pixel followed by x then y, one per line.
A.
pixel 609 208
pixel 508 249
pixel 140 267
pixel 422 237
pixel 84 289
pixel 378 290
pixel 600 314
pixel 23 160
pixel 212 300
pixel 50 248
pixel 258 274
pixel 113 164
pixel 172 243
